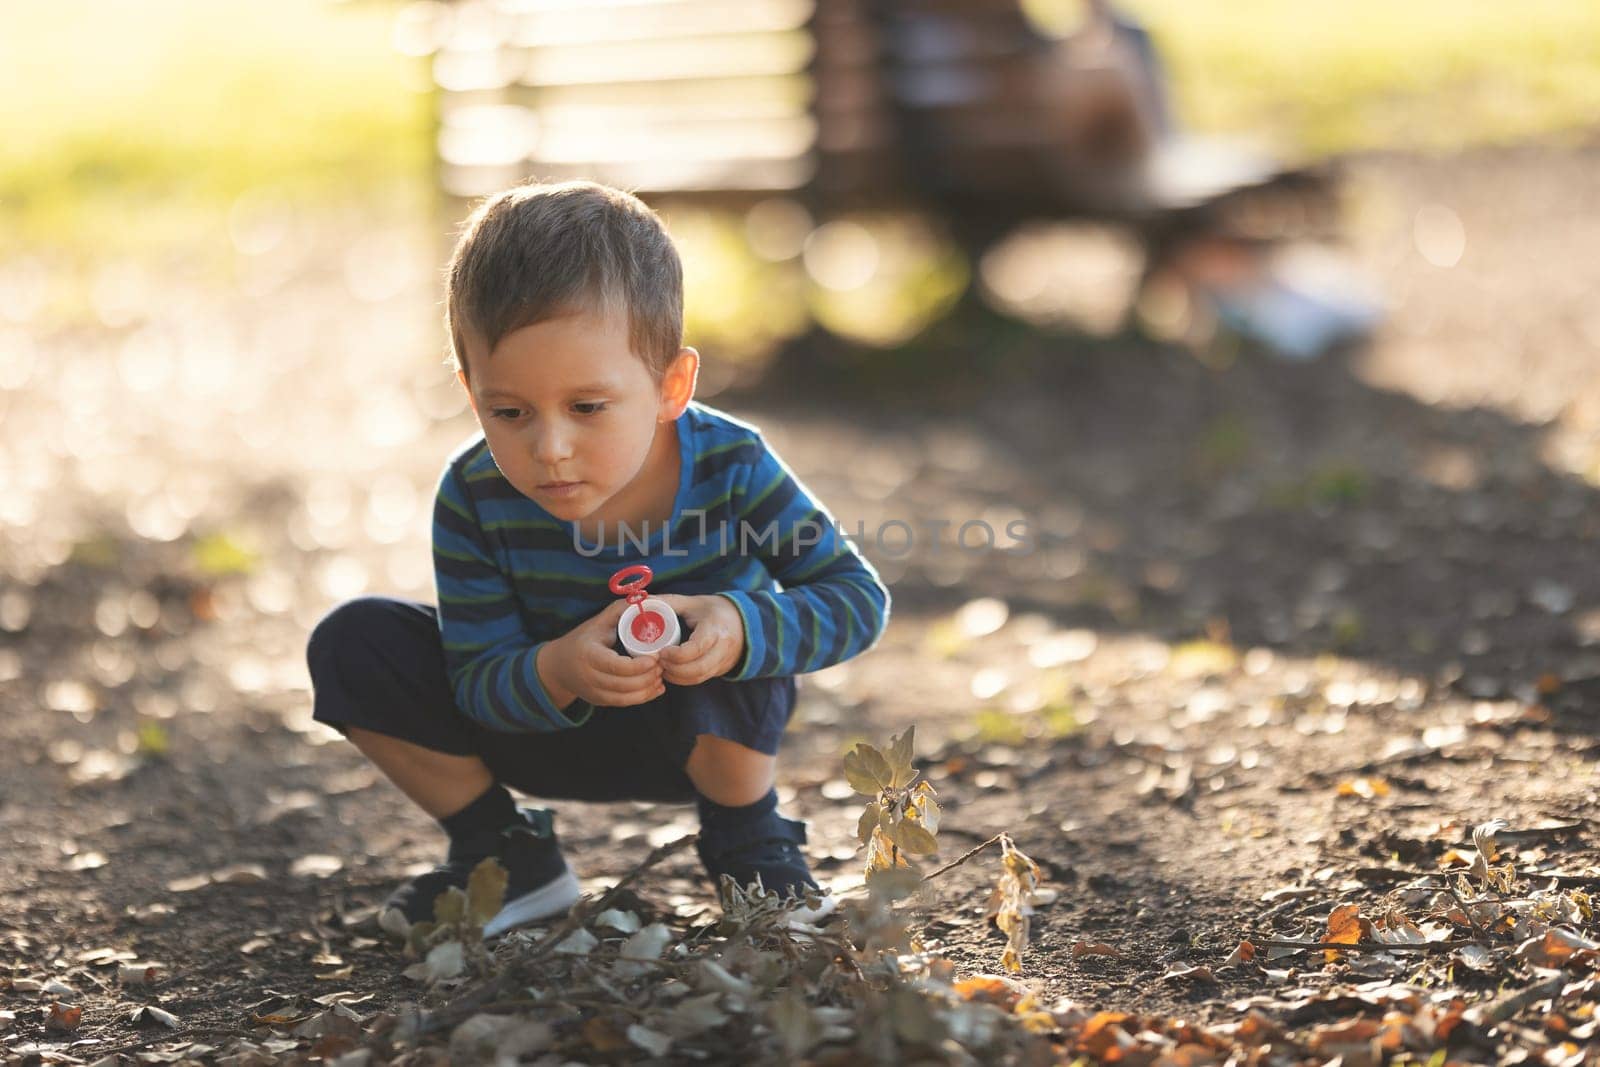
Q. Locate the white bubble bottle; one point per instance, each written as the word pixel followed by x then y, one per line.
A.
pixel 647 625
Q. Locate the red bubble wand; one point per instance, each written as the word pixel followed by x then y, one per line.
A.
pixel 647 625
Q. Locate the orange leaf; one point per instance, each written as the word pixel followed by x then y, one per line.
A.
pixel 63 1019
pixel 1245 953
pixel 988 989
pixel 604 1036
pixel 1345 927
pixel 1344 1035
pixel 1103 1035
pixel 1093 948
pixel 1367 788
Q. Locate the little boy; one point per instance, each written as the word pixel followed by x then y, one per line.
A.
pixel 565 311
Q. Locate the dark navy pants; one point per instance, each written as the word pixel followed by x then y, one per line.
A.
pixel 377 663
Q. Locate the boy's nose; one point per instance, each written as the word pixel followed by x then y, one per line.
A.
pixel 551 446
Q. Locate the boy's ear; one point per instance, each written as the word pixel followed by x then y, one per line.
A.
pixel 461 376
pixel 678 383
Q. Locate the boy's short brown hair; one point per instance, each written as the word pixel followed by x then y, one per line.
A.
pixel 539 251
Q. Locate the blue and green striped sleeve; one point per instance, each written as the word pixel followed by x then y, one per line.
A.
pixel 830 605
pixel 489 657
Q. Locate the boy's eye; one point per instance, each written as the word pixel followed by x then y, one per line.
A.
pixel 504 413
pixel 589 407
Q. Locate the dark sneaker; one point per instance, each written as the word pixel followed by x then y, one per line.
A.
pixel 766 851
pixel 538 883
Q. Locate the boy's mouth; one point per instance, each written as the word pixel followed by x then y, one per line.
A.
pixel 557 487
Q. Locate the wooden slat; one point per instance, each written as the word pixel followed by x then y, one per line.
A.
pixel 846 103
pixel 584 23
pixel 698 58
pixel 576 142
pixel 673 176
pixel 753 96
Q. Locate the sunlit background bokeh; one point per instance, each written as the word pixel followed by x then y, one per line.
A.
pixel 221 227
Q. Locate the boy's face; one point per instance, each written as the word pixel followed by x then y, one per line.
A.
pixel 570 413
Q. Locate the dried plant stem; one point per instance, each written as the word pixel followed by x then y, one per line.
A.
pixel 576 919
pixel 971 852
pixel 1365 946
pixel 1564 881
pixel 1466 910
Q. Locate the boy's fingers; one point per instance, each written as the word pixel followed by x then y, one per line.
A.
pixel 606 621
pixel 683 677
pixel 611 663
pixel 683 653
pixel 626 695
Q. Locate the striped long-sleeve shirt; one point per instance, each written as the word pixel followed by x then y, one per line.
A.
pixel 510 576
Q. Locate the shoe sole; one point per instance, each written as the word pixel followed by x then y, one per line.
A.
pixel 548 900
pixel 553 899
pixel 811 916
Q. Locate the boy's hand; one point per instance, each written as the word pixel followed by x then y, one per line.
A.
pixel 715 646
pixel 584 663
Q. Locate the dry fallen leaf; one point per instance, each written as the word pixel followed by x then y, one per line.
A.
pixel 1556 948
pixel 1094 948
pixel 316 866
pixel 993 989
pixel 1345 927
pixel 239 874
pixel 150 1015
pixel 795 1023
pixel 694 1015
pixel 1244 952
pixel 579 943
pixel 138 973
pixel 653 1042
pixel 1103 1034
pixel 63 1020
pixel 1198 973
pixel 648 943
pixel 189 884
pixel 1019 876
pixel 486 891
pixel 623 922
pixel 603 1035
pixel 1366 788
pixel 1398 930
pixel 445 961
pixel 476 1039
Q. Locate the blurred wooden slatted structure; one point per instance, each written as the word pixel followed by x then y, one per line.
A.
pixel 842 104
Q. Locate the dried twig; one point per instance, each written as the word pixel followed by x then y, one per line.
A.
pixel 1466 912
pixel 581 913
pixel 971 852
pixel 496 989
pixel 1364 946
pixel 1399 874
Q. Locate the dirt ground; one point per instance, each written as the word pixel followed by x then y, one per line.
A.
pixel 1284 623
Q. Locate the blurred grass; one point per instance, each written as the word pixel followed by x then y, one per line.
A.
pixel 1362 74
pixel 124 120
